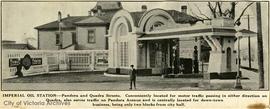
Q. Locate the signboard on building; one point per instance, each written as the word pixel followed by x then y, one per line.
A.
pixel 13 62
pixel 36 61
pixel 101 58
pixel 26 61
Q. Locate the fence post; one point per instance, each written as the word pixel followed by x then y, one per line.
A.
pixel 70 61
pixel 93 60
pixel 45 62
pixel 202 68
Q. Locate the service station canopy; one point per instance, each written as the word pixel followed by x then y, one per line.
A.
pixel 196 31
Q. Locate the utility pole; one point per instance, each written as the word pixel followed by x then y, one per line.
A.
pixel 60 30
pixel 249 52
pixel 238 77
pixel 260 46
pixel 249 46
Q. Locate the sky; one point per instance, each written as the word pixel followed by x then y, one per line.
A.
pixel 20 18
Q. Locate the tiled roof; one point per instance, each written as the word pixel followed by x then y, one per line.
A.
pixel 108 6
pixel 181 17
pixel 136 17
pixel 67 23
pixel 95 20
pixel 178 17
pixel 90 20
pixel 107 17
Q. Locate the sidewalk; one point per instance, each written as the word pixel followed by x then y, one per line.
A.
pixel 248 84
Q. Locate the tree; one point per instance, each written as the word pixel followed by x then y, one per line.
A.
pixel 218 9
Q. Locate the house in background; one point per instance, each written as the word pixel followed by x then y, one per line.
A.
pixel 49 38
pixel 9 45
pixel 79 32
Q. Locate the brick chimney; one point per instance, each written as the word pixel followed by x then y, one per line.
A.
pixel 184 9
pixel 99 10
pixel 119 4
pixel 144 8
pixel 59 16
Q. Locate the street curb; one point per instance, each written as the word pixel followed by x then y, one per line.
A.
pixel 113 75
pixel 53 72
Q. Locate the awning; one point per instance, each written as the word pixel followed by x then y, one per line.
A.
pixel 189 32
pixel 243 33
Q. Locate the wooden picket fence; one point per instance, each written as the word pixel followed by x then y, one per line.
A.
pixel 62 60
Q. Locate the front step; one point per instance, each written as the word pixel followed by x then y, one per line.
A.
pixel 223 75
pixel 183 76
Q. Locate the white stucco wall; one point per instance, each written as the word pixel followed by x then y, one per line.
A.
pixel 218 59
pixel 122 17
pixel 229 42
pixel 111 53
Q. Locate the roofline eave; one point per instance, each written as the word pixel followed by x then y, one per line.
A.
pixel 51 29
pixel 91 24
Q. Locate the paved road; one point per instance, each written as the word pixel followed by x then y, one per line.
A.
pixel 91 81
pixel 97 81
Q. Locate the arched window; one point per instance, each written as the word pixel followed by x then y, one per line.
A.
pixel 156 26
pixel 122 30
pixel 228 64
